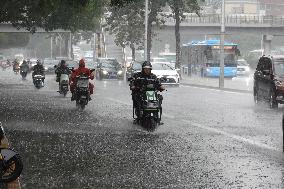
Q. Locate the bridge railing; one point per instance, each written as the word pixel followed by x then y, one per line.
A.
pixel 232 20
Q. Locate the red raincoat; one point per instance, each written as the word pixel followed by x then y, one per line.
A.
pixel 78 72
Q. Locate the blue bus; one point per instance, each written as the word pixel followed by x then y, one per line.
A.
pixel 204 57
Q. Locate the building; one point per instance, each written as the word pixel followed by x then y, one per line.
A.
pixel 255 7
pixel 271 7
pixel 250 7
pixel 242 7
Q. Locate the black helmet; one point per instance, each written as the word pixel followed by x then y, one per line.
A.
pixel 62 62
pixel 147 64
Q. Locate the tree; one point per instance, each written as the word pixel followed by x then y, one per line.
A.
pixel 71 15
pixel 155 7
pixel 179 7
pixel 214 3
pixel 126 23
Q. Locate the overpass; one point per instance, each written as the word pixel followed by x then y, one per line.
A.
pixel 9 28
pixel 235 21
pixel 246 30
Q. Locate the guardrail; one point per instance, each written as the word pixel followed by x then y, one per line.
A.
pixel 214 19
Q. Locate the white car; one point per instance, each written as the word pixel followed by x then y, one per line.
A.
pixel 167 72
pixel 243 68
pixel 158 59
pixel 161 59
pixel 76 49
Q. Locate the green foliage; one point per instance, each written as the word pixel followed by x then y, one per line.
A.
pixel 52 14
pixel 127 24
pixel 127 18
pixel 179 8
pixel 184 6
pixel 121 3
pixel 214 3
pixel 126 21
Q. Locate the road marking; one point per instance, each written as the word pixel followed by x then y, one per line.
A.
pixel 215 90
pixel 229 135
pixel 233 136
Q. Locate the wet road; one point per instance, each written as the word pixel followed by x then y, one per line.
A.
pixel 210 139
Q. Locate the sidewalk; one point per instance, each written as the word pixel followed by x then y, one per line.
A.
pixel 239 84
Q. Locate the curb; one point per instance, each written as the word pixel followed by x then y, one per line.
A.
pixel 217 88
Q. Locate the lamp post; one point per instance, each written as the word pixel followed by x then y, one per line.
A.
pixel 146 29
pixel 221 77
pixel 51 46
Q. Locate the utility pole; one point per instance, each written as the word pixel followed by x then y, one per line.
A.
pixel 70 46
pixel 60 45
pixel 51 48
pixel 94 47
pixel 221 77
pixel 146 30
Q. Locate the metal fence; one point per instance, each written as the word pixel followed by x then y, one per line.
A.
pixel 232 20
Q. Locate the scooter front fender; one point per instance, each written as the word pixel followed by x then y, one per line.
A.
pixel 8 154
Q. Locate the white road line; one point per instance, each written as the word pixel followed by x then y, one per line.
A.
pixel 236 137
pixel 229 135
pixel 216 90
pixel 119 101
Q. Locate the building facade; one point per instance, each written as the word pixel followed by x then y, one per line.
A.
pixel 272 7
pixel 255 7
pixel 242 7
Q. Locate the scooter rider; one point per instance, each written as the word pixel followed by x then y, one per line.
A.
pixel 77 72
pixel 135 86
pixel 62 69
pixel 29 62
pixel 38 69
pixel 24 66
pixel 16 65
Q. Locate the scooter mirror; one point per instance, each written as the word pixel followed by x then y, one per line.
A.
pixel 130 79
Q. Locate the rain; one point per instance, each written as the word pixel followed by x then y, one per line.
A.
pixel 142 94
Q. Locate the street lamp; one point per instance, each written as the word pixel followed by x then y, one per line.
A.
pixel 146 29
pixel 221 77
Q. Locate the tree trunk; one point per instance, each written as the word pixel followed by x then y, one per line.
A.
pixel 99 45
pixel 177 35
pixel 66 45
pixel 149 39
pixel 132 51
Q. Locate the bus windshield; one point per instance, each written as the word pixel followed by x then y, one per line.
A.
pixel 229 59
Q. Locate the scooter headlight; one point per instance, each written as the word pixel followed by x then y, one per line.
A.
pixel 119 72
pixel 105 72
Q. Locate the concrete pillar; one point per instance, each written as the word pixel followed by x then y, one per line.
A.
pixel 70 50
pixel 266 44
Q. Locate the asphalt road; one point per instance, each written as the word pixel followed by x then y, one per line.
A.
pixel 210 138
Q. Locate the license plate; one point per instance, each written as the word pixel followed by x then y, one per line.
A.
pixel 150 105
